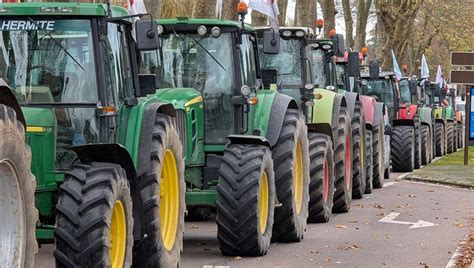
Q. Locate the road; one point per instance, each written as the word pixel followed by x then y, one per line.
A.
pixel 357 238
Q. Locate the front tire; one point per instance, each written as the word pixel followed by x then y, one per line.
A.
pixel 321 188
pixel 94 222
pixel 17 194
pixel 369 170
pixel 291 159
pixel 378 151
pixel 246 199
pixel 450 138
pixel 425 149
pixel 403 148
pixel 358 157
pixel 439 139
pixel 162 191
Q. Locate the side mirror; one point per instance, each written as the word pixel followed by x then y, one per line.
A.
pixel 374 69
pixel 147 84
pixel 271 42
pixel 412 84
pixel 353 68
pixel 147 35
pixel 269 76
pixel 463 97
pixel 339 45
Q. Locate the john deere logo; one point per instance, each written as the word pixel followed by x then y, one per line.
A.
pixel 318 96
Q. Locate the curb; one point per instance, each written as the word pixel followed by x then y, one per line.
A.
pixel 412 177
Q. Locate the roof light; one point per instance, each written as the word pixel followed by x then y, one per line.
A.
pixel 364 51
pixel 326 46
pixel 202 30
pixel 319 23
pixel 4 10
pixel 65 9
pixel 245 90
pixel 286 33
pixel 242 9
pixel 216 31
pixel 47 9
pixel 299 33
pixel 252 100
pixel 332 33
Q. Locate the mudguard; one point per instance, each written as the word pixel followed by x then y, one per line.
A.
pixel 279 106
pixel 379 114
pixel 248 139
pixel 425 116
pixel 438 113
pixel 8 98
pixel 324 112
pixel 351 98
pixel 449 112
pixel 459 117
pixel 369 104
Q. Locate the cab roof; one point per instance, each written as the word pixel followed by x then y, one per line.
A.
pixel 381 74
pixel 59 9
pixel 183 21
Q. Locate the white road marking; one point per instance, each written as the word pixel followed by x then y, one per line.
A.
pixel 217 266
pixel 403 176
pixel 390 183
pixel 457 253
pixel 390 218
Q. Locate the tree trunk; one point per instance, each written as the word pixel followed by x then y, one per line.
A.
pixel 282 7
pixel 363 9
pixel 172 9
pixel 204 9
pixel 154 7
pixel 259 19
pixel 302 13
pixel 329 15
pixel 348 22
pixel 229 9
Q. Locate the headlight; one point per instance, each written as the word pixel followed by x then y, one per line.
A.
pixel 332 88
pixel 326 47
pixel 316 45
pixel 216 31
pixel 286 33
pixel 309 103
pixel 202 30
pixel 309 86
pixel 299 33
pixel 245 90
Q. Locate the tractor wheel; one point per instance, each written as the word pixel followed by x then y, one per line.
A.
pixel 18 245
pixel 321 188
pixel 246 198
pixel 162 190
pixel 403 148
pixel 455 137
pixel 460 136
pixel 378 154
pixel 94 222
pixel 439 140
pixel 291 159
pixel 450 138
pixel 418 143
pixel 358 159
pixel 368 165
pixel 425 153
pixel 198 214
pixel 342 162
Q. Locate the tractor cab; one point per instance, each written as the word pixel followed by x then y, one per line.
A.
pixel 410 92
pixel 383 88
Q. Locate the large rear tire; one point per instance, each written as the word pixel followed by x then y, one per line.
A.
pixel 321 188
pixel 291 159
pixel 425 149
pixel 368 165
pixel 94 222
pixel 18 245
pixel 403 148
pixel 460 135
pixel 246 199
pixel 418 143
pixel 439 139
pixel 342 161
pixel 358 156
pixel 378 154
pixel 162 190
pixel 450 137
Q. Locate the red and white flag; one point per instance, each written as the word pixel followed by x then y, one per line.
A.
pixel 136 7
pixel 269 8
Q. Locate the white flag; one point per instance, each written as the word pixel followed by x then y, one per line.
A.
pixel 267 7
pixel 439 77
pixel 136 7
pixel 425 71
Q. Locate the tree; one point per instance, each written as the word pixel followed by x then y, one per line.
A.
pixel 282 7
pixel 329 15
pixel 305 13
pixel 259 19
pixel 363 9
pixel 172 8
pixel 204 9
pixel 348 22
pixel 229 10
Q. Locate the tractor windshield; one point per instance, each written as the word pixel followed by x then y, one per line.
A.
pixel 288 62
pixel 382 90
pixel 405 94
pixel 49 61
pixel 318 68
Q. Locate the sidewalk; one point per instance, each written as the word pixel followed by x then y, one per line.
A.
pixel 449 170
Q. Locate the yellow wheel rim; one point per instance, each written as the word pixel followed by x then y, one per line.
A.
pixel 169 200
pixel 298 178
pixel 263 203
pixel 118 235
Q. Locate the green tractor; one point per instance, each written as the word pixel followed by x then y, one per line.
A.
pixel 440 116
pixel 245 147
pixel 453 135
pixel 328 118
pixel 106 154
pixel 17 186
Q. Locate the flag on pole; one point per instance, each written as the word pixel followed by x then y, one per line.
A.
pixel 269 8
pixel 425 71
pixel 439 77
pixel 396 68
pixel 136 7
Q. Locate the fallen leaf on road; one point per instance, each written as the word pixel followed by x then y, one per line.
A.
pixel 194 226
pixel 425 265
pixel 430 191
pixel 399 206
pixel 378 206
pixel 341 226
pixel 237 258
pixel 349 247
pixel 352 221
pixel 460 225
pixel 381 214
pixel 412 196
pixel 329 259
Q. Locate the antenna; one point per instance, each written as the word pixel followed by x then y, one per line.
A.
pixel 109 9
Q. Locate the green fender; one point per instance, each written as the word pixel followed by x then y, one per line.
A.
pixel 260 113
pixel 449 112
pixel 326 105
pixel 438 112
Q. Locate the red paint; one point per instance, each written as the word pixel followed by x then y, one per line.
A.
pixel 407 113
pixel 348 162
pixel 325 181
pixel 368 103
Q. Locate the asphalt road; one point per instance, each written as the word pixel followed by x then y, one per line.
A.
pixel 357 238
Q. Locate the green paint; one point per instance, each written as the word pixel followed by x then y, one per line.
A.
pixel 260 113
pixel 204 198
pixel 323 108
pixel 449 112
pixel 70 9
pixel 214 22
pixel 438 112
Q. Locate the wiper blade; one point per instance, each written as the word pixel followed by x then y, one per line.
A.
pixel 207 51
pixel 48 33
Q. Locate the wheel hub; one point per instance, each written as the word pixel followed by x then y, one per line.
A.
pixel 298 182
pixel 169 200
pixel 263 203
pixel 118 235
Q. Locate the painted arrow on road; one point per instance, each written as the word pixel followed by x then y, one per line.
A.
pixel 390 218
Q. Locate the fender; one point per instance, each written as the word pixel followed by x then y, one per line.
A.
pixel 325 111
pixel 248 139
pixel 459 117
pixel 351 98
pixel 438 112
pixel 368 103
pixel 425 116
pixel 407 113
pixel 116 154
pixel 449 112
pixel 8 98
pixel 379 114
pixel 280 104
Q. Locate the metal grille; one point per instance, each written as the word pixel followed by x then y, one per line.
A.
pixel 181 127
